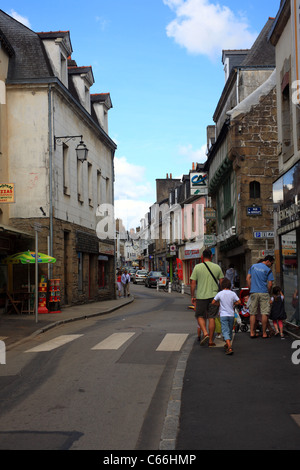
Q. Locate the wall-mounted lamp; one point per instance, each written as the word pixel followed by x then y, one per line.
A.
pixel 81 149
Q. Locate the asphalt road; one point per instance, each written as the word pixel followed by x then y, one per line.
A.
pixel 97 384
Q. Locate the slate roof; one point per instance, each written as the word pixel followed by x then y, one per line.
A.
pixel 262 53
pixel 30 59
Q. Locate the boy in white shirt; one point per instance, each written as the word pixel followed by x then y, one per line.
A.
pixel 227 299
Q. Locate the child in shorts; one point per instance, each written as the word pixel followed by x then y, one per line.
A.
pixel 227 299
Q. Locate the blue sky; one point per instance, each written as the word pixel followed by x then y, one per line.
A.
pixel 161 62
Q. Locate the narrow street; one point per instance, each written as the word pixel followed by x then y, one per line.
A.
pixel 107 384
pixel 96 384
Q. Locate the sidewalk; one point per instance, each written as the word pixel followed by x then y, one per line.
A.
pixel 16 328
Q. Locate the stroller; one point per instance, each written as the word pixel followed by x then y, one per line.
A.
pixel 243 311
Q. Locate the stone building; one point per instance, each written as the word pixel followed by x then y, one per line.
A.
pixel 242 159
pixel 47 111
pixel 284 36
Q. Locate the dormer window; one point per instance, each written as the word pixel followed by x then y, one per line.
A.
pixel 83 79
pixel 58 47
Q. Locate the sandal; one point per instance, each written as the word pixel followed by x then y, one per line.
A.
pixel 204 340
pixel 229 352
pixel 212 345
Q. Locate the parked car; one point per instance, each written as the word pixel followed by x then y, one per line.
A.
pixel 140 276
pixel 153 276
pixel 131 271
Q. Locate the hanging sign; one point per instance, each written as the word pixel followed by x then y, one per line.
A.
pixel 199 184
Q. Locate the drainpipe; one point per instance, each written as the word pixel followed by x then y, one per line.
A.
pixel 50 267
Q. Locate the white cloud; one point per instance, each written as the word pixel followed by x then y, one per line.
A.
pixel 206 28
pixel 20 18
pixel 193 155
pixel 133 194
pixel 131 212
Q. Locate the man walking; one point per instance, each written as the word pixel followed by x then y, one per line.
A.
pixel 260 280
pixel 125 280
pixel 204 280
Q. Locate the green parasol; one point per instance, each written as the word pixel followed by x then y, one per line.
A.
pixel 28 257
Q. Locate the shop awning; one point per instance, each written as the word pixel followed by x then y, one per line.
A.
pixel 10 229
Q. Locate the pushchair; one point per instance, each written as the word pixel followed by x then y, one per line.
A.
pixel 243 311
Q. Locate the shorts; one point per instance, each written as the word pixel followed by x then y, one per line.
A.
pixel 227 327
pixel 205 309
pixel 259 303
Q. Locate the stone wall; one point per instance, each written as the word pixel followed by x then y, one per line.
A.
pixel 253 150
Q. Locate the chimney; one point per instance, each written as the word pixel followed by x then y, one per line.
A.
pixel 170 175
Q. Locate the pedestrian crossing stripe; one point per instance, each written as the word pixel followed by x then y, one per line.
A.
pixel 54 343
pixel 114 341
pixel 172 342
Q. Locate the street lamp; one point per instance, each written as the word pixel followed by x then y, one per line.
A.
pixel 81 149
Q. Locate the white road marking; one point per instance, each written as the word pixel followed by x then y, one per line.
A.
pixel 296 418
pixel 172 342
pixel 54 343
pixel 115 341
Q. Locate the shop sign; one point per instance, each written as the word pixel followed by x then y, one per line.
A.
pixel 226 235
pixel 7 193
pixel 199 184
pixel 210 240
pixel 209 213
pixel 106 249
pixel 192 251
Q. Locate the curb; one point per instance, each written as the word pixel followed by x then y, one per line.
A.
pixel 67 320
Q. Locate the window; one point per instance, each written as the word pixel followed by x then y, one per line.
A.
pixel 227 195
pixel 254 188
pixel 286 113
pixel 66 170
pixel 79 182
pixel 63 69
pixel 90 184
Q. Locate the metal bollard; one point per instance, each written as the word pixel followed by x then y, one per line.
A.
pixel 182 288
pixel 170 287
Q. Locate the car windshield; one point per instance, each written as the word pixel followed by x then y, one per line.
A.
pixel 157 273
pixel 141 272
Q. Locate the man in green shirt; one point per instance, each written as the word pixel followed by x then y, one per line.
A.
pixel 204 280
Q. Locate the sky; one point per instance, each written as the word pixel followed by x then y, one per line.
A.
pixel 161 62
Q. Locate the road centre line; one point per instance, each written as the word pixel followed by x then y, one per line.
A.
pixel 54 343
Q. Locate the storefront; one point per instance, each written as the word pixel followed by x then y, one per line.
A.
pixel 190 254
pixel 286 196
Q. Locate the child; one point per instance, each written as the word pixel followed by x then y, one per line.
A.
pixel 227 300
pixel 278 311
pixel 245 306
